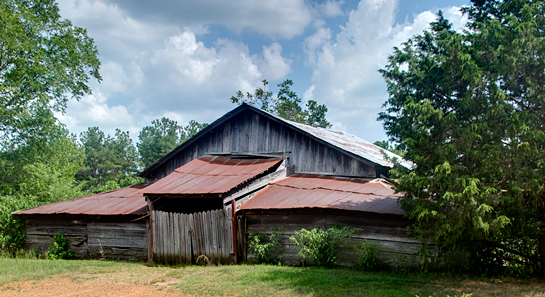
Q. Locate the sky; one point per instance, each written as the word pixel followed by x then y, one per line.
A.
pixel 185 59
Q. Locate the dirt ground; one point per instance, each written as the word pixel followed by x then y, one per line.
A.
pixel 67 287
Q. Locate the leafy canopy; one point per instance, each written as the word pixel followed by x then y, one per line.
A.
pixel 109 161
pixel 163 136
pixel 286 104
pixel 44 61
pixel 467 108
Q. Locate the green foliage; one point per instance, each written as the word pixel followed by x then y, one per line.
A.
pixel 261 245
pixel 108 160
pixel 389 147
pixel 59 249
pixel 12 231
pixel 320 246
pixel 45 60
pixel 286 104
pixel 367 255
pixel 467 110
pixel 162 137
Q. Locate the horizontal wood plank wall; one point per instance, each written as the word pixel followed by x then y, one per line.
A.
pixel 252 133
pixel 114 237
pixel 183 238
pixel 388 231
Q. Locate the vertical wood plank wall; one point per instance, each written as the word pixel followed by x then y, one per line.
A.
pixel 182 238
pixel 249 132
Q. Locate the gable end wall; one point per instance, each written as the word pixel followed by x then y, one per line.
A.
pixel 250 132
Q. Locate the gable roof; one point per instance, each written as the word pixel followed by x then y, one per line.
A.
pixel 124 201
pixel 314 191
pixel 210 175
pixel 345 142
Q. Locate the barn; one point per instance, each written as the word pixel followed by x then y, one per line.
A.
pixel 111 225
pixel 251 171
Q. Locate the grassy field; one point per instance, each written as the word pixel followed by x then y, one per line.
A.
pixel 265 280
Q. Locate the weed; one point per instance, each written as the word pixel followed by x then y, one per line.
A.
pixel 367 255
pixel 59 248
pixel 320 246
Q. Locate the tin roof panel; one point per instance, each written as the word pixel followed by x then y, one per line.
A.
pixel 313 191
pixel 127 200
pixel 210 175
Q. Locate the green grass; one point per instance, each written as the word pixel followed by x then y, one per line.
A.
pixel 266 280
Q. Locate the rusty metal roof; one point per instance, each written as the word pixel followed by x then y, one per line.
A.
pixel 313 191
pixel 124 201
pixel 350 143
pixel 210 175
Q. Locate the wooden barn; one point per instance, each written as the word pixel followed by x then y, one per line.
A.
pixel 276 173
pixel 111 225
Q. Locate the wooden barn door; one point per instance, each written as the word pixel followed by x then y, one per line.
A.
pixel 183 238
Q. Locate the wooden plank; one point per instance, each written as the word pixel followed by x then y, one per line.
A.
pixel 176 234
pixel 159 237
pixel 187 237
pixel 181 256
pixel 215 231
pixel 171 243
pixel 164 226
pixel 191 236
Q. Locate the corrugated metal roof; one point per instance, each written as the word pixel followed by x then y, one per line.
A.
pixel 210 175
pixel 127 200
pixel 313 191
pixel 350 143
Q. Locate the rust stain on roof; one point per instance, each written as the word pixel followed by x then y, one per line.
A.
pixel 124 201
pixel 210 175
pixel 313 191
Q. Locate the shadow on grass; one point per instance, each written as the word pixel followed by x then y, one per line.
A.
pixel 263 280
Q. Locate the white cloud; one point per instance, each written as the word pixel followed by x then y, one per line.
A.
pixel 273 66
pixel 152 70
pixel 273 18
pixel 345 66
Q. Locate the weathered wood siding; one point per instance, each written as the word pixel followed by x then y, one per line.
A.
pixel 388 231
pixel 114 237
pixel 182 238
pixel 249 132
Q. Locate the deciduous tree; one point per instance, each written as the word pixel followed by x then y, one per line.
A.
pixel 285 104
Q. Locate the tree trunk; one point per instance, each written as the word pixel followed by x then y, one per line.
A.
pixel 542 250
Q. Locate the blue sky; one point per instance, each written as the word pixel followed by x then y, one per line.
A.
pixel 185 59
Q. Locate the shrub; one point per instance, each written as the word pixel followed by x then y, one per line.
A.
pixel 261 246
pixel 59 248
pixel 367 255
pixel 12 230
pixel 321 246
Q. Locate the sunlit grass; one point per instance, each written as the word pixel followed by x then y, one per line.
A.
pixel 267 280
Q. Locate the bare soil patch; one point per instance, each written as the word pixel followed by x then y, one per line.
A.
pixel 66 287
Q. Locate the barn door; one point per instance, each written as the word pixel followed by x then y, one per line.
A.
pixel 182 238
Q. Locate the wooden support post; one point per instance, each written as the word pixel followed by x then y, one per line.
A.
pixel 234 219
pixel 150 232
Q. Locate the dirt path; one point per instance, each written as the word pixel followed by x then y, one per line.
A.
pixel 66 287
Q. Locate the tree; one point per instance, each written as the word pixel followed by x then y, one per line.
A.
pixel 108 160
pixel 286 104
pixel 468 110
pixel 389 147
pixel 43 61
pixel 163 136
